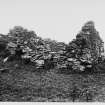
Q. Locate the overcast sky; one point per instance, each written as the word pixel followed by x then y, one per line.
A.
pixel 55 19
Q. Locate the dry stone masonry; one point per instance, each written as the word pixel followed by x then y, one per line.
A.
pixel 81 54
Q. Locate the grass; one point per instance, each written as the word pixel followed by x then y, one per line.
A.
pixel 23 83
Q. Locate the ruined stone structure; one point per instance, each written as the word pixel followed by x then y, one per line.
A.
pixel 87 48
pixel 91 40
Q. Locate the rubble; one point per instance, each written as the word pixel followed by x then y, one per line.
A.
pixel 85 50
pixel 81 53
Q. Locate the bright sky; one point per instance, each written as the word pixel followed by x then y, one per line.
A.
pixel 56 19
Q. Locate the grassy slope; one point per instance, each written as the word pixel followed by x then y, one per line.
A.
pixel 20 84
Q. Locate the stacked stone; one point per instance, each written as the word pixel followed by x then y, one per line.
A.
pixel 86 48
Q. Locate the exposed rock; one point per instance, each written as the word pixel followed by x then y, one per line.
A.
pixel 87 48
pixel 81 53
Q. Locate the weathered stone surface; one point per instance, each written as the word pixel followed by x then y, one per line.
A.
pixel 81 53
pixel 87 47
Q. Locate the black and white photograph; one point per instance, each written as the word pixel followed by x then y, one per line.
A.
pixel 52 51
